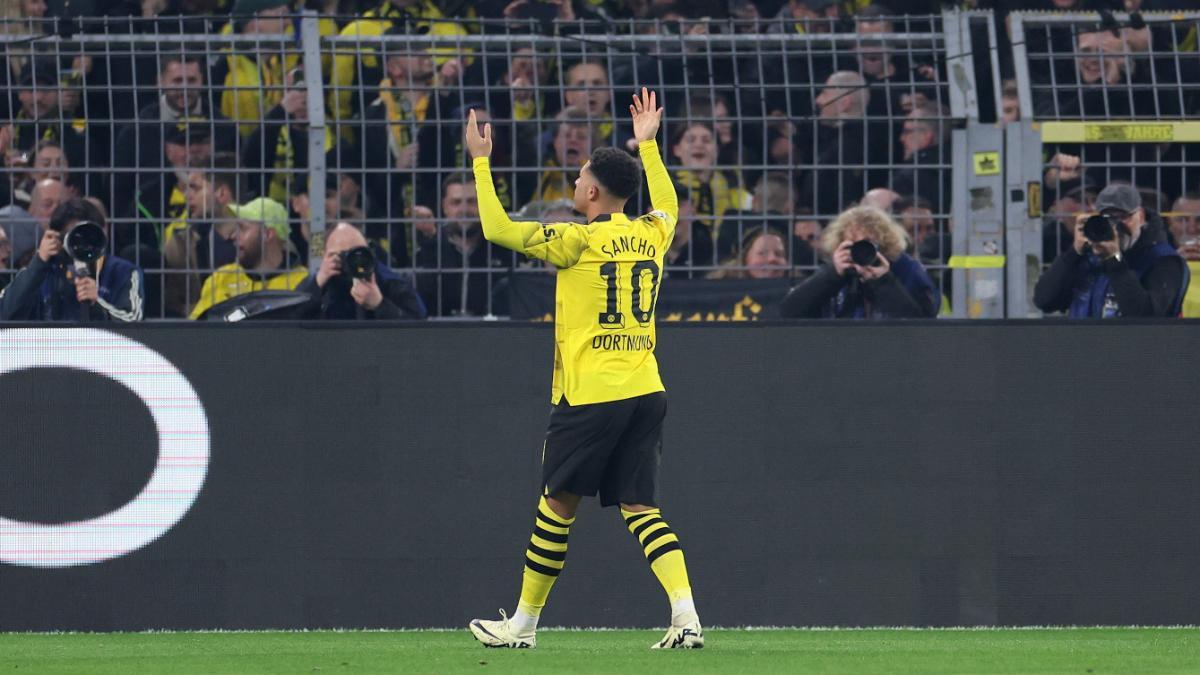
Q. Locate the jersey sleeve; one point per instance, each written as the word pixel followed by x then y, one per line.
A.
pixel 662 190
pixel 559 244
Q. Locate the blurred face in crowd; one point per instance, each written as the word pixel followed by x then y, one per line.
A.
pixel 193 153
pixel 572 144
pixel 46 197
pixel 722 124
pixel 766 257
pixel 460 205
pixel 5 250
pixel 199 195
pixel 1063 211
pixel 526 66
pixel 39 104
pixel 181 84
pixel 1185 227
pixel 268 21
pixel 1010 108
pixel 814 21
pixel 343 238
pixel 918 221
pixel 807 230
pixel 250 239
pixel 697 148
pixel 834 102
pixel 50 162
pixel 33 9
pixel 916 136
pixel 873 60
pixel 587 89
pixel 1091 67
pixel 407 69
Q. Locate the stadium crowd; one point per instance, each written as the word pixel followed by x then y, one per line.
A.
pixel 193 156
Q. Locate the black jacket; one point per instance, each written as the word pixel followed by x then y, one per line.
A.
pixel 400 298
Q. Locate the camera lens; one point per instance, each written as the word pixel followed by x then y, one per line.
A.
pixel 358 262
pixel 1098 228
pixel 86 242
pixel 864 253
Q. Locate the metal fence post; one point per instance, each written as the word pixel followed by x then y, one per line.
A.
pixel 314 82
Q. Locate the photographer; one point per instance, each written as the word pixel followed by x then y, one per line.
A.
pixel 869 276
pixel 353 283
pixel 62 284
pixel 1119 265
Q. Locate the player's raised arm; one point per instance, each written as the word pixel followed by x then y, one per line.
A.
pixel 646 119
pixel 497 227
pixel 559 244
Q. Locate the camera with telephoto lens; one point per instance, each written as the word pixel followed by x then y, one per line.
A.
pixel 85 242
pixel 864 253
pixel 358 262
pixel 1100 228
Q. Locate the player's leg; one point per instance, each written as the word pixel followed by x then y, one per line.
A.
pixel 661 547
pixel 579 441
pixel 633 477
pixel 544 560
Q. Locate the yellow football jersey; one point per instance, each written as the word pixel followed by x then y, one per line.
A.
pixel 610 273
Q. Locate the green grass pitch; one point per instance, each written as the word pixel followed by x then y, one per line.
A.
pixel 1078 650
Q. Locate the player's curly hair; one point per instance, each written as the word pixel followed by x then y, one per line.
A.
pixel 887 234
pixel 617 171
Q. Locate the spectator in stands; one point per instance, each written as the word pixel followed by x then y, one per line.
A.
pixel 713 194
pixel 586 88
pixel 916 218
pixel 40 117
pixel 52 288
pixel 840 145
pixel 806 16
pixel 772 205
pixel 1185 226
pixel 1010 103
pixel 894 286
pixel 390 148
pixel 733 148
pixel 251 79
pixel 764 256
pixel 881 198
pixel 26 227
pixel 6 257
pixel 265 257
pixel 574 137
pixel 692 245
pixel 356 72
pixel 924 142
pixel 522 87
pixel 458 248
pixel 336 295
pixel 139 147
pixel 1058 225
pixel 203 239
pixel 278 147
pixel 1184 222
pixel 1134 272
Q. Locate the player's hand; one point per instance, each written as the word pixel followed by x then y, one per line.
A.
pixel 842 262
pixel 51 245
pixel 331 266
pixel 366 293
pixel 878 271
pixel 646 115
pixel 479 145
pixel 86 289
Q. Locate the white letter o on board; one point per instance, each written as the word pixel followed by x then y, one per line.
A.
pixel 183 446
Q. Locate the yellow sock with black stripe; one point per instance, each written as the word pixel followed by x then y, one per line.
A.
pixel 544 559
pixel 665 556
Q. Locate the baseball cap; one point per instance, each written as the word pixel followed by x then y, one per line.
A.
pixel 1121 197
pixel 39 71
pixel 266 211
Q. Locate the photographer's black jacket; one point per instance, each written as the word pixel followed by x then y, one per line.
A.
pixel 45 291
pixel 400 298
pixel 1150 281
pixel 905 292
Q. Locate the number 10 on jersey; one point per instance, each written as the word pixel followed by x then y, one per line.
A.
pixel 642 307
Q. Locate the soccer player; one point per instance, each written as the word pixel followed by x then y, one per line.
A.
pixel 605 431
